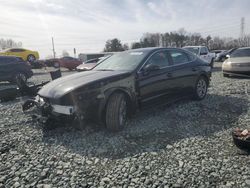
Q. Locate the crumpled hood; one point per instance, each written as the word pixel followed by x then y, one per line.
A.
pixel 61 86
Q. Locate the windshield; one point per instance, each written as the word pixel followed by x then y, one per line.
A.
pixel 192 49
pixel 241 53
pixel 122 61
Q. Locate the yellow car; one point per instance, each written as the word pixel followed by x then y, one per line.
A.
pixel 26 55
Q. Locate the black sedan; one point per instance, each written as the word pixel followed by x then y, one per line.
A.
pixel 123 83
pixel 13 68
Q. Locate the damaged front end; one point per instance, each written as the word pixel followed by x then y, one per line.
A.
pixel 44 110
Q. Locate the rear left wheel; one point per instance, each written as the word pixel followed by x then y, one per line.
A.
pixel 116 112
pixel 19 78
pixel 200 90
pixel 31 58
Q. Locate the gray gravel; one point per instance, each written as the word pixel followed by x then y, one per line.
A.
pixel 186 144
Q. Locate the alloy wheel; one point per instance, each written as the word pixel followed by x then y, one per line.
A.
pixel 201 88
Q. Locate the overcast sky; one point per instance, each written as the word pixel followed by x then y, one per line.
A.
pixel 87 24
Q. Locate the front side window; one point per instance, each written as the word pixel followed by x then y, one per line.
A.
pixel 178 57
pixel 159 59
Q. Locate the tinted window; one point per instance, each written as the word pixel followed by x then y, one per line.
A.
pixel 191 56
pixel 204 50
pixel 194 50
pixel 16 50
pixel 178 57
pixel 160 59
pixel 241 53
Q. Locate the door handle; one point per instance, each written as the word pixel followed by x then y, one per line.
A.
pixel 194 69
pixel 169 74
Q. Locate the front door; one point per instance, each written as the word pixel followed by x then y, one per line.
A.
pixel 153 83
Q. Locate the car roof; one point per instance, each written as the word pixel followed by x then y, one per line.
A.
pixel 244 48
pixel 150 49
pixel 193 46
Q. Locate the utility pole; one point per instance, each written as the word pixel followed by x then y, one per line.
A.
pixel 74 52
pixel 53 48
pixel 242 27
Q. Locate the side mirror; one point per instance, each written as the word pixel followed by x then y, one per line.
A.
pixel 227 56
pixel 151 67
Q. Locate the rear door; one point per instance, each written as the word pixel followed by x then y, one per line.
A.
pixel 184 70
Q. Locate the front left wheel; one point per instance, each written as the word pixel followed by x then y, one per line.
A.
pixel 116 112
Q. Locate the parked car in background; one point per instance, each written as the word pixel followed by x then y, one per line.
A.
pixel 203 53
pixel 88 65
pixel 217 51
pixel 124 82
pixel 12 68
pixel 237 63
pixel 26 55
pixel 67 62
pixel 37 64
pixel 221 57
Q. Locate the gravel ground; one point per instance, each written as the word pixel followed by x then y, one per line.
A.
pixel 186 144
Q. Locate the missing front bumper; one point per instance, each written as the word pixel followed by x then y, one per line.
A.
pixel 48 109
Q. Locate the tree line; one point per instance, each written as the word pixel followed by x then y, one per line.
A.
pixel 9 43
pixel 178 39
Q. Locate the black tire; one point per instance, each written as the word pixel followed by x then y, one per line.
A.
pixel 116 112
pixel 200 90
pixel 56 65
pixel 19 75
pixel 31 58
pixel 212 63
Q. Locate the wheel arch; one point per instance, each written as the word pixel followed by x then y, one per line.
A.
pixel 130 97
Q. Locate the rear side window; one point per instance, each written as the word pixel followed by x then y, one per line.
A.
pixel 16 50
pixel 179 57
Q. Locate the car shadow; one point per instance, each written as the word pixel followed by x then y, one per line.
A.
pixel 153 129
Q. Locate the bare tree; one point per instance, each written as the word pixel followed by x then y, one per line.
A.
pixel 9 43
pixel 65 53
